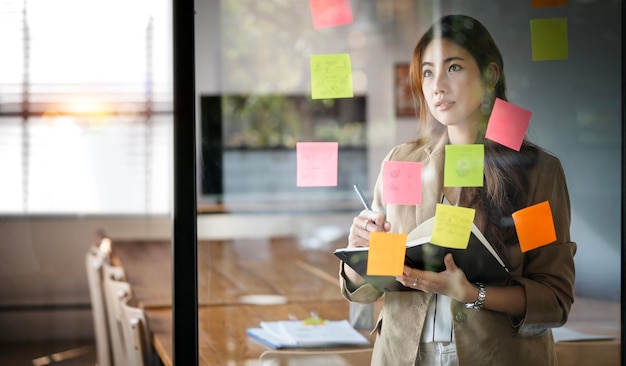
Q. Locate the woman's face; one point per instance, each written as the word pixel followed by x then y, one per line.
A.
pixel 452 84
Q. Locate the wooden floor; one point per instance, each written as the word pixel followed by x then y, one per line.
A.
pixel 61 353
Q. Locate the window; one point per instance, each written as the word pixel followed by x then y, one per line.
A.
pixel 85 107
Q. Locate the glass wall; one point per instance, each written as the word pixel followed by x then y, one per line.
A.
pixel 246 48
pixel 254 56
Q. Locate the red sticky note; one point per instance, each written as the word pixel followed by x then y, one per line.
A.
pixel 547 3
pixel 402 183
pixel 508 124
pixel 316 164
pixel 330 13
pixel 386 254
pixel 534 226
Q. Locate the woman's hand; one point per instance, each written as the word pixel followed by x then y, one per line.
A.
pixel 450 282
pixel 362 225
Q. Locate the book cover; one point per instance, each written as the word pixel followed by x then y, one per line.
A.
pixel 479 260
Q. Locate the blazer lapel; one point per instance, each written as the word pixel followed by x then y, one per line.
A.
pixel 432 180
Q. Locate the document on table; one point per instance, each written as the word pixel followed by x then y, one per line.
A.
pixel 564 334
pixel 299 334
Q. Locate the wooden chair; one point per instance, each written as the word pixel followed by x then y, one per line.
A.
pixel 352 357
pixel 130 335
pixel 95 258
pixel 114 285
pixel 136 334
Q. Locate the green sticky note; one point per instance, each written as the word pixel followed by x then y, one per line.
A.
pixel 331 76
pixel 452 226
pixel 549 39
pixel 464 165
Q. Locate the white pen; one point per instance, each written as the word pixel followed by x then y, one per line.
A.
pixel 362 197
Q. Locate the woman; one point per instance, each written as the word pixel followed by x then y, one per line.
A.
pixel 456 73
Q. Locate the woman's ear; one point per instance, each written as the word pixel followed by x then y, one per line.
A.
pixel 492 74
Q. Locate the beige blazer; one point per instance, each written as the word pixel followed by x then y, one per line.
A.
pixel 484 337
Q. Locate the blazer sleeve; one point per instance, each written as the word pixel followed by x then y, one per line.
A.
pixel 364 294
pixel 548 272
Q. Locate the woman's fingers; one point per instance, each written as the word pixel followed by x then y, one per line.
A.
pixel 362 225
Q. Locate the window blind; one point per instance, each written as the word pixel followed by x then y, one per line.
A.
pixel 85 107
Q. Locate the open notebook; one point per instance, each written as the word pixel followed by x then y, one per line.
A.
pixel 479 260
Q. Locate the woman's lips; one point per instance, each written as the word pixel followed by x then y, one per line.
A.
pixel 443 105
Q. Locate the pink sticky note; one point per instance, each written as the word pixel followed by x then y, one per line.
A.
pixel 316 164
pixel 508 124
pixel 330 13
pixel 402 183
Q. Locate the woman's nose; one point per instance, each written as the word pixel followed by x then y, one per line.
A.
pixel 439 84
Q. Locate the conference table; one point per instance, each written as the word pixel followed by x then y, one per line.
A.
pixel 233 271
pixel 244 282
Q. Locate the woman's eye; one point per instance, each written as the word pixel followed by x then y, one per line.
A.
pixel 454 67
pixel 427 73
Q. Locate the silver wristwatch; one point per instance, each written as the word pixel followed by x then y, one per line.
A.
pixel 480 300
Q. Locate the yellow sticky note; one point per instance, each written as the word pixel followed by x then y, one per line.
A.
pixel 464 165
pixel 452 226
pixel 386 255
pixel 534 226
pixel 331 76
pixel 549 39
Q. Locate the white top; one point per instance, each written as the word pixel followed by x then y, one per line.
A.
pixel 438 324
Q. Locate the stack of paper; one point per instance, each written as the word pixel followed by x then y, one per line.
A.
pixel 564 334
pixel 299 334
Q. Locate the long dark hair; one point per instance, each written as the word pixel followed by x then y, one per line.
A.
pixel 505 170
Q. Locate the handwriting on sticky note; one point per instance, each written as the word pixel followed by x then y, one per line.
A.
pixel 316 164
pixel 508 124
pixel 549 39
pixel 534 226
pixel 402 183
pixel 331 76
pixel 453 226
pixel 464 165
pixel 547 3
pixel 386 254
pixel 330 13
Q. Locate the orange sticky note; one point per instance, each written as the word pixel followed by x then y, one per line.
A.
pixel 452 226
pixel 330 13
pixel 402 183
pixel 535 226
pixel 547 3
pixel 386 254
pixel 316 164
pixel 508 124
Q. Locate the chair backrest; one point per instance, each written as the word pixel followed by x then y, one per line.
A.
pixel 314 357
pixel 115 288
pixel 136 335
pixel 94 260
